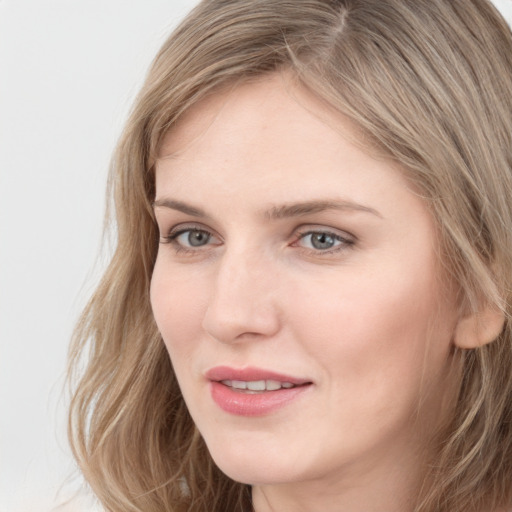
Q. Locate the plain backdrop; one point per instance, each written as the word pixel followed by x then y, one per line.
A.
pixel 69 70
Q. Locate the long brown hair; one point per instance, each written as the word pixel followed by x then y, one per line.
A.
pixel 429 84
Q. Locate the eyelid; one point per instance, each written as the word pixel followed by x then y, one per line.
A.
pixel 316 228
pixel 185 226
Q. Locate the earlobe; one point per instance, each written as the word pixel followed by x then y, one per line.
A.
pixel 478 329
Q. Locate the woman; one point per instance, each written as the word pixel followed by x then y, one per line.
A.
pixel 308 306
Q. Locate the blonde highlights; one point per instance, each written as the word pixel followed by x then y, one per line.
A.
pixel 429 84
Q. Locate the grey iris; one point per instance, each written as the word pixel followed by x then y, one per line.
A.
pixel 322 240
pixel 198 238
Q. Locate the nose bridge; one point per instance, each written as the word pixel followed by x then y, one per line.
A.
pixel 242 300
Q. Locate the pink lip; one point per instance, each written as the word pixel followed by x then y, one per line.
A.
pixel 250 373
pixel 252 404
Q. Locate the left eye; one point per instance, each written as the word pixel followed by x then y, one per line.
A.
pixel 322 241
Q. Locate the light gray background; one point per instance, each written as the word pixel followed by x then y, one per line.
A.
pixel 69 70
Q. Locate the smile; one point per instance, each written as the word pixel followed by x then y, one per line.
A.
pixel 257 386
pixel 251 391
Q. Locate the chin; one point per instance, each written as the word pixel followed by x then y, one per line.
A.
pixel 255 466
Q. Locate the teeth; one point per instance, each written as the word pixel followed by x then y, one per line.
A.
pixel 257 385
pixel 273 385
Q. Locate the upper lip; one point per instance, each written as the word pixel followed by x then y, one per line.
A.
pixel 249 373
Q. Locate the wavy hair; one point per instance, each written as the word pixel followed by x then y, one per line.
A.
pixel 429 84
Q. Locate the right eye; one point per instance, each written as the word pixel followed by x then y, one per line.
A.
pixel 190 239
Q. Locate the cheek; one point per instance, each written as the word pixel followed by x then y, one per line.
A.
pixel 178 306
pixel 375 335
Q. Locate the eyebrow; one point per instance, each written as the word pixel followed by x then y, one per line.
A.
pixel 277 212
pixel 316 206
pixel 180 206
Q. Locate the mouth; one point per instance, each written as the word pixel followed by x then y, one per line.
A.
pixel 252 391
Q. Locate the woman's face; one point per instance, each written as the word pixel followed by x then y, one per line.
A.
pixel 298 293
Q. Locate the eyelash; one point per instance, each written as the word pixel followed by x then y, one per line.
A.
pixel 345 242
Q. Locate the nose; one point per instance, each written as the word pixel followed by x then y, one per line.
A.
pixel 243 301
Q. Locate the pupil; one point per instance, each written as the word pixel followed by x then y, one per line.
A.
pixel 197 238
pixel 322 241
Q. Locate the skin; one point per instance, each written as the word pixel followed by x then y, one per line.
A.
pixel 367 321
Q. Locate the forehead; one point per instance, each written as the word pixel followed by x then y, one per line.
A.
pixel 246 103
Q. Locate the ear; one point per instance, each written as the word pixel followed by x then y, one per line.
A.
pixel 477 329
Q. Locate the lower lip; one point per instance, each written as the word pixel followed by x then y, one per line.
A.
pixel 242 403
